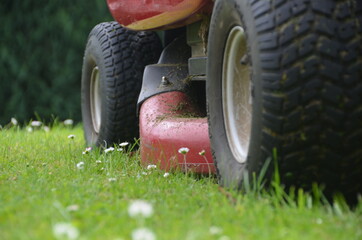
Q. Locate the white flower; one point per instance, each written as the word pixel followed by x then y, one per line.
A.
pixel 36 123
pixel 46 129
pixel 112 179
pixel 215 230
pixel 73 208
pixel 29 129
pixel 224 238
pixel 183 150
pixel 319 221
pixel 119 149
pixel 98 161
pixel 152 166
pixel 65 231
pixel 110 149
pixel 140 208
pixel 144 173
pixel 123 144
pixel 87 150
pixel 71 136
pixel 80 165
pixel 14 121
pixel 202 153
pixel 68 122
pixel 143 234
pixel 166 175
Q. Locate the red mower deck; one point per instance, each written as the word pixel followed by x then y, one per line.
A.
pixel 164 129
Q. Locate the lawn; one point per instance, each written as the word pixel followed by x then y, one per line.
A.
pixel 49 189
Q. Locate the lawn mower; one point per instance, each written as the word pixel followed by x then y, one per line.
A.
pixel 231 87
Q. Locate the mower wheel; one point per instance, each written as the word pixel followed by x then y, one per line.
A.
pixel 284 82
pixel 112 73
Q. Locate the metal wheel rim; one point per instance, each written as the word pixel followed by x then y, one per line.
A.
pixel 95 100
pixel 236 95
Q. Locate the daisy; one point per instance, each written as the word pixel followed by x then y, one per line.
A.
pixel 143 234
pixel 36 123
pixel 152 166
pixel 68 122
pixel 73 208
pixel 80 165
pixel 14 121
pixel 65 231
pixel 140 208
pixel 215 230
pixel 123 144
pixel 71 136
pixel 202 153
pixel 110 149
pixel 87 150
pixel 183 150
pixel 112 179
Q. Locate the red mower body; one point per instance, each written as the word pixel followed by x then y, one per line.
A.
pixel 157 14
pixel 164 130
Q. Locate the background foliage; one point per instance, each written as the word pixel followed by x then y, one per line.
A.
pixel 41 52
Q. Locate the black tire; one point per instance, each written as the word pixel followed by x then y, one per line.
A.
pixel 305 63
pixel 112 73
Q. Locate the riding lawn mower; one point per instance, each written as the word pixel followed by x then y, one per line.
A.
pixel 234 85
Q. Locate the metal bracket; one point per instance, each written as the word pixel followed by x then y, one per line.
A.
pixel 169 74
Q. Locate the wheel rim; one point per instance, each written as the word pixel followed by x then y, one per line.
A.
pixel 236 95
pixel 95 100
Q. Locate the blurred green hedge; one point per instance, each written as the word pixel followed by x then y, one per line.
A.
pixel 41 51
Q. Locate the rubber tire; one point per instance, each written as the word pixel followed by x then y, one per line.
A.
pixel 305 58
pixel 121 56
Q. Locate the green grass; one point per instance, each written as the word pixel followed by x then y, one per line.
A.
pixel 39 180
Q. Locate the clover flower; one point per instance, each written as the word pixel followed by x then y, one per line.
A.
pixel 166 175
pixel 65 231
pixel 98 162
pixel 110 149
pixel 80 165
pixel 183 150
pixel 29 129
pixel 143 234
pixel 140 208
